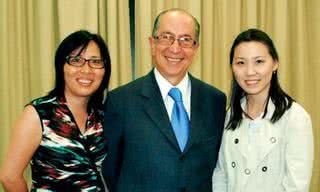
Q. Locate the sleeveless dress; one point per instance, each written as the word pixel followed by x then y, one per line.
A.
pixel 66 159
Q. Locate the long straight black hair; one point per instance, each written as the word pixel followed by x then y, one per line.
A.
pixel 281 100
pixel 80 39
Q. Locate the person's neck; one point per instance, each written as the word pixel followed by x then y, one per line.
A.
pixel 255 106
pixel 78 108
pixel 77 103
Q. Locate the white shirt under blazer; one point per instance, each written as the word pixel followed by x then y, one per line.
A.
pixel 260 156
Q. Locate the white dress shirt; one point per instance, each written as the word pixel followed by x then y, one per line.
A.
pixel 184 86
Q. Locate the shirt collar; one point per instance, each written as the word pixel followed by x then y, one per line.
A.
pixel 165 85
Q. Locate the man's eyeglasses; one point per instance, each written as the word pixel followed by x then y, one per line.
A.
pixel 78 61
pixel 168 39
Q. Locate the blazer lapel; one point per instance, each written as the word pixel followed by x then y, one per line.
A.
pixel 196 116
pixel 155 108
pixel 271 137
pixel 240 138
pixel 272 132
pixel 268 137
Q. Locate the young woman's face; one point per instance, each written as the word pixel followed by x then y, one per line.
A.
pixel 83 81
pixel 252 68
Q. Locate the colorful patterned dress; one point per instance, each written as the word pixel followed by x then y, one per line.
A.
pixel 66 159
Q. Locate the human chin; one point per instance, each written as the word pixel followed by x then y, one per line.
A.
pixel 87 92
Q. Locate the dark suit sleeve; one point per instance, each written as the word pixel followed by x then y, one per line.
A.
pixel 113 134
pixel 223 109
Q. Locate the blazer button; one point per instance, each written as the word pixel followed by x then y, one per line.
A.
pixel 264 168
pixel 247 171
pixel 181 158
pixel 233 164
pixel 183 189
pixel 273 139
pixel 236 141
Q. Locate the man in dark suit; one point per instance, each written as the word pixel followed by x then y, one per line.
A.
pixel 146 153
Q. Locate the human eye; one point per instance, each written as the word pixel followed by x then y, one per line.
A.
pixel 239 62
pixel 186 41
pixel 260 61
pixel 96 63
pixel 167 37
pixel 75 60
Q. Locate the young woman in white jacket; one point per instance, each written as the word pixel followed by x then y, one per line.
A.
pixel 268 142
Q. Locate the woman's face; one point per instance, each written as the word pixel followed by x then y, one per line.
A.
pixel 83 81
pixel 252 68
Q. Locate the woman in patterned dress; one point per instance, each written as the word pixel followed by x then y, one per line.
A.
pixel 60 134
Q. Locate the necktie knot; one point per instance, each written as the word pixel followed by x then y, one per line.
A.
pixel 175 94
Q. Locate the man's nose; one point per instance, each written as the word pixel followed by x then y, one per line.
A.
pixel 175 46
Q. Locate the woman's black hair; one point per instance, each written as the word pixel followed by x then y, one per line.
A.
pixel 281 100
pixel 80 39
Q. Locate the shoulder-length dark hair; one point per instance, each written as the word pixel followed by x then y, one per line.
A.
pixel 80 39
pixel 281 100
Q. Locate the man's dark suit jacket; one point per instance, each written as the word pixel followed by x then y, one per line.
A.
pixel 143 153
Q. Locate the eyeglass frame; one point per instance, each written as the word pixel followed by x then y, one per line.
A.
pixel 85 61
pixel 178 39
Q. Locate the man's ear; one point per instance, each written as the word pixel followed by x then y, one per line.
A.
pixel 152 45
pixel 196 46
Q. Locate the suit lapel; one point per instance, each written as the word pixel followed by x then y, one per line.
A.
pixel 268 136
pixel 196 123
pixel 268 139
pixel 271 137
pixel 154 106
pixel 271 131
pixel 240 138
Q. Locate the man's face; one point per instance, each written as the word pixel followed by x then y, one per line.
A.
pixel 173 60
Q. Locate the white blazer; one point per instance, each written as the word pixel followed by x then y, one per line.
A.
pixel 260 156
